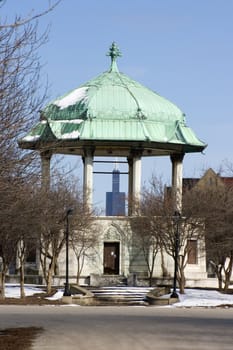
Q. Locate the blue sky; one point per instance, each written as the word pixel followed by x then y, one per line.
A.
pixel 182 49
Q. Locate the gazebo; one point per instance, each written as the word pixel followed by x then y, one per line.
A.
pixel 113 115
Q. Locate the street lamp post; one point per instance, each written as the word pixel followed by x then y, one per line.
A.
pixel 176 219
pixel 67 292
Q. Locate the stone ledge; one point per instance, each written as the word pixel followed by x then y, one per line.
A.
pixel 153 300
pixel 81 296
pixel 160 296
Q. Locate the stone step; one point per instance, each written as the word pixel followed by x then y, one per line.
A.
pixel 121 295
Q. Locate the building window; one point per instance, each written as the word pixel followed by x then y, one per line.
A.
pixel 192 251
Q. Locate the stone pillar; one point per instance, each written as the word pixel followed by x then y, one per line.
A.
pixel 137 175
pixel 130 185
pixel 45 170
pixel 135 180
pixel 88 176
pixel 177 179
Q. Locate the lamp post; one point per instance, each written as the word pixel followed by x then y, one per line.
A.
pixel 176 219
pixel 67 289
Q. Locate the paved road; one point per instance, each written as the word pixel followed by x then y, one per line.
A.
pixel 123 328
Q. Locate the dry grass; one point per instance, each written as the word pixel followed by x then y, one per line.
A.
pixel 18 338
pixel 36 299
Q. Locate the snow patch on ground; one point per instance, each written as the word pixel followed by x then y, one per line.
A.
pixel 203 298
pixel 191 298
pixel 13 290
pixel 58 295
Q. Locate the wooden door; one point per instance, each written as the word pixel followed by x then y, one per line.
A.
pixel 111 258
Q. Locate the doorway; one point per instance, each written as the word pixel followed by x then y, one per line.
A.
pixel 111 258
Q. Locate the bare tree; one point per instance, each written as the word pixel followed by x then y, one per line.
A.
pixel 25 227
pixel 52 206
pixel 20 102
pixel 84 236
pixel 215 203
pixel 7 246
pixel 16 218
pixel 185 230
pixel 21 21
pixel 19 89
pixel 149 225
pixel 180 231
pixel 22 92
pixel 52 209
pixel 158 229
pixel 147 237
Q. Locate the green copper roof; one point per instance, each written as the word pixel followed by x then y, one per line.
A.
pixel 113 107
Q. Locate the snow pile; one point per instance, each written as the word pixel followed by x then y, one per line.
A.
pixel 13 290
pixel 203 298
pixel 57 296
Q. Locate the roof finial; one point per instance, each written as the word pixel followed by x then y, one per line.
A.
pixel 114 52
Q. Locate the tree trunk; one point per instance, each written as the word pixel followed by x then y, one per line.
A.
pixel 77 277
pixel 219 276
pixel 79 267
pixel 151 268
pixel 163 267
pixel 3 277
pixel 182 284
pixel 43 262
pixel 22 290
pixel 150 278
pixel 47 272
pixel 49 280
pixel 181 279
pixel 78 270
pixel 50 274
pixel 228 273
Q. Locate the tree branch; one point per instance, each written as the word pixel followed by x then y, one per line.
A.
pixel 19 22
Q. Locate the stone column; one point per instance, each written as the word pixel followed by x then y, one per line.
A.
pixel 134 180
pixel 177 179
pixel 88 176
pixel 45 170
pixel 130 185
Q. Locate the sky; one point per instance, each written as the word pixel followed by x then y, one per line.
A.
pixel 181 49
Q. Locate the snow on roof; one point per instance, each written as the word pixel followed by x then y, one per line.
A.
pixel 72 98
pixel 71 121
pixel 31 138
pixel 70 135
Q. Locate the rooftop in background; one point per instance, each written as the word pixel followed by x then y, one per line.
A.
pixel 114 112
pixel 210 177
